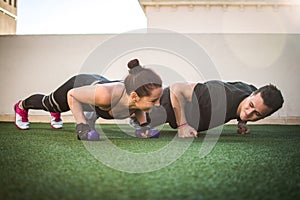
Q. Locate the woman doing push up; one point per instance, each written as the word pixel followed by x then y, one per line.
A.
pixel 137 94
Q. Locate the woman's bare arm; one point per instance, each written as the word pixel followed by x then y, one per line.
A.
pixel 87 95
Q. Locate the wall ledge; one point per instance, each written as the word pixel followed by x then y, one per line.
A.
pixel 69 119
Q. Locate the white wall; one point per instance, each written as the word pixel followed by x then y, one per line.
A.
pixel 229 19
pixel 39 64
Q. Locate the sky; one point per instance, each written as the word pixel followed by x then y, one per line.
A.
pixel 79 16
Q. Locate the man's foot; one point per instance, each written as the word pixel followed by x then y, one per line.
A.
pixel 56 121
pixel 21 117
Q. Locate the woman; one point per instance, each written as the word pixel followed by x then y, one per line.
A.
pixel 139 92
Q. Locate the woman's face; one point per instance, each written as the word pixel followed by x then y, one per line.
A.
pixel 147 102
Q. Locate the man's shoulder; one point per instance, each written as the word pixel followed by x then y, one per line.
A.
pixel 241 85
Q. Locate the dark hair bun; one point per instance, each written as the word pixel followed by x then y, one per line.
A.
pixel 133 63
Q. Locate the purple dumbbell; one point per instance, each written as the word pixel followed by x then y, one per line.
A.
pixel 93 135
pixel 151 133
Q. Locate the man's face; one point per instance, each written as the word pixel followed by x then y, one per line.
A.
pixel 253 108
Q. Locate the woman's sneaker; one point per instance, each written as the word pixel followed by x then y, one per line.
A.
pixel 56 121
pixel 21 117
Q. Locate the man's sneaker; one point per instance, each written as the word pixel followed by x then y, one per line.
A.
pixel 56 121
pixel 21 117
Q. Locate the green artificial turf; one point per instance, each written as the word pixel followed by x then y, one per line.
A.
pixel 42 163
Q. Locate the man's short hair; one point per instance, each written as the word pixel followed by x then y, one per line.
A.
pixel 271 96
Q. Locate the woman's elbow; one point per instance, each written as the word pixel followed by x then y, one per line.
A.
pixel 70 96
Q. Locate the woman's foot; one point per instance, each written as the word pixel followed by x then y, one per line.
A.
pixel 56 121
pixel 21 117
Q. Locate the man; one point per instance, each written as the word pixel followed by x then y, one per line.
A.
pixel 195 107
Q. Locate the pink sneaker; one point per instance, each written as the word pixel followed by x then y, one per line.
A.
pixel 21 117
pixel 56 121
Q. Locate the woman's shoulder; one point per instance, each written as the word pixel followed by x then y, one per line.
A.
pixel 106 93
pixel 111 86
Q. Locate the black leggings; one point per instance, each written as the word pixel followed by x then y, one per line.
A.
pixel 57 100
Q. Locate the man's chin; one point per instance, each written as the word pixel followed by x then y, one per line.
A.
pixel 243 118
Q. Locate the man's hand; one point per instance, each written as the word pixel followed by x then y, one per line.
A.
pixel 242 128
pixel 186 131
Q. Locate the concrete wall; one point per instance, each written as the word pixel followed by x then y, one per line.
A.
pixel 39 64
pixel 224 17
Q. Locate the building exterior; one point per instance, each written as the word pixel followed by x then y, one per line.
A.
pixel 257 42
pixel 223 16
pixel 8 17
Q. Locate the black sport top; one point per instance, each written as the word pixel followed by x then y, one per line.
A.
pixel 213 103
